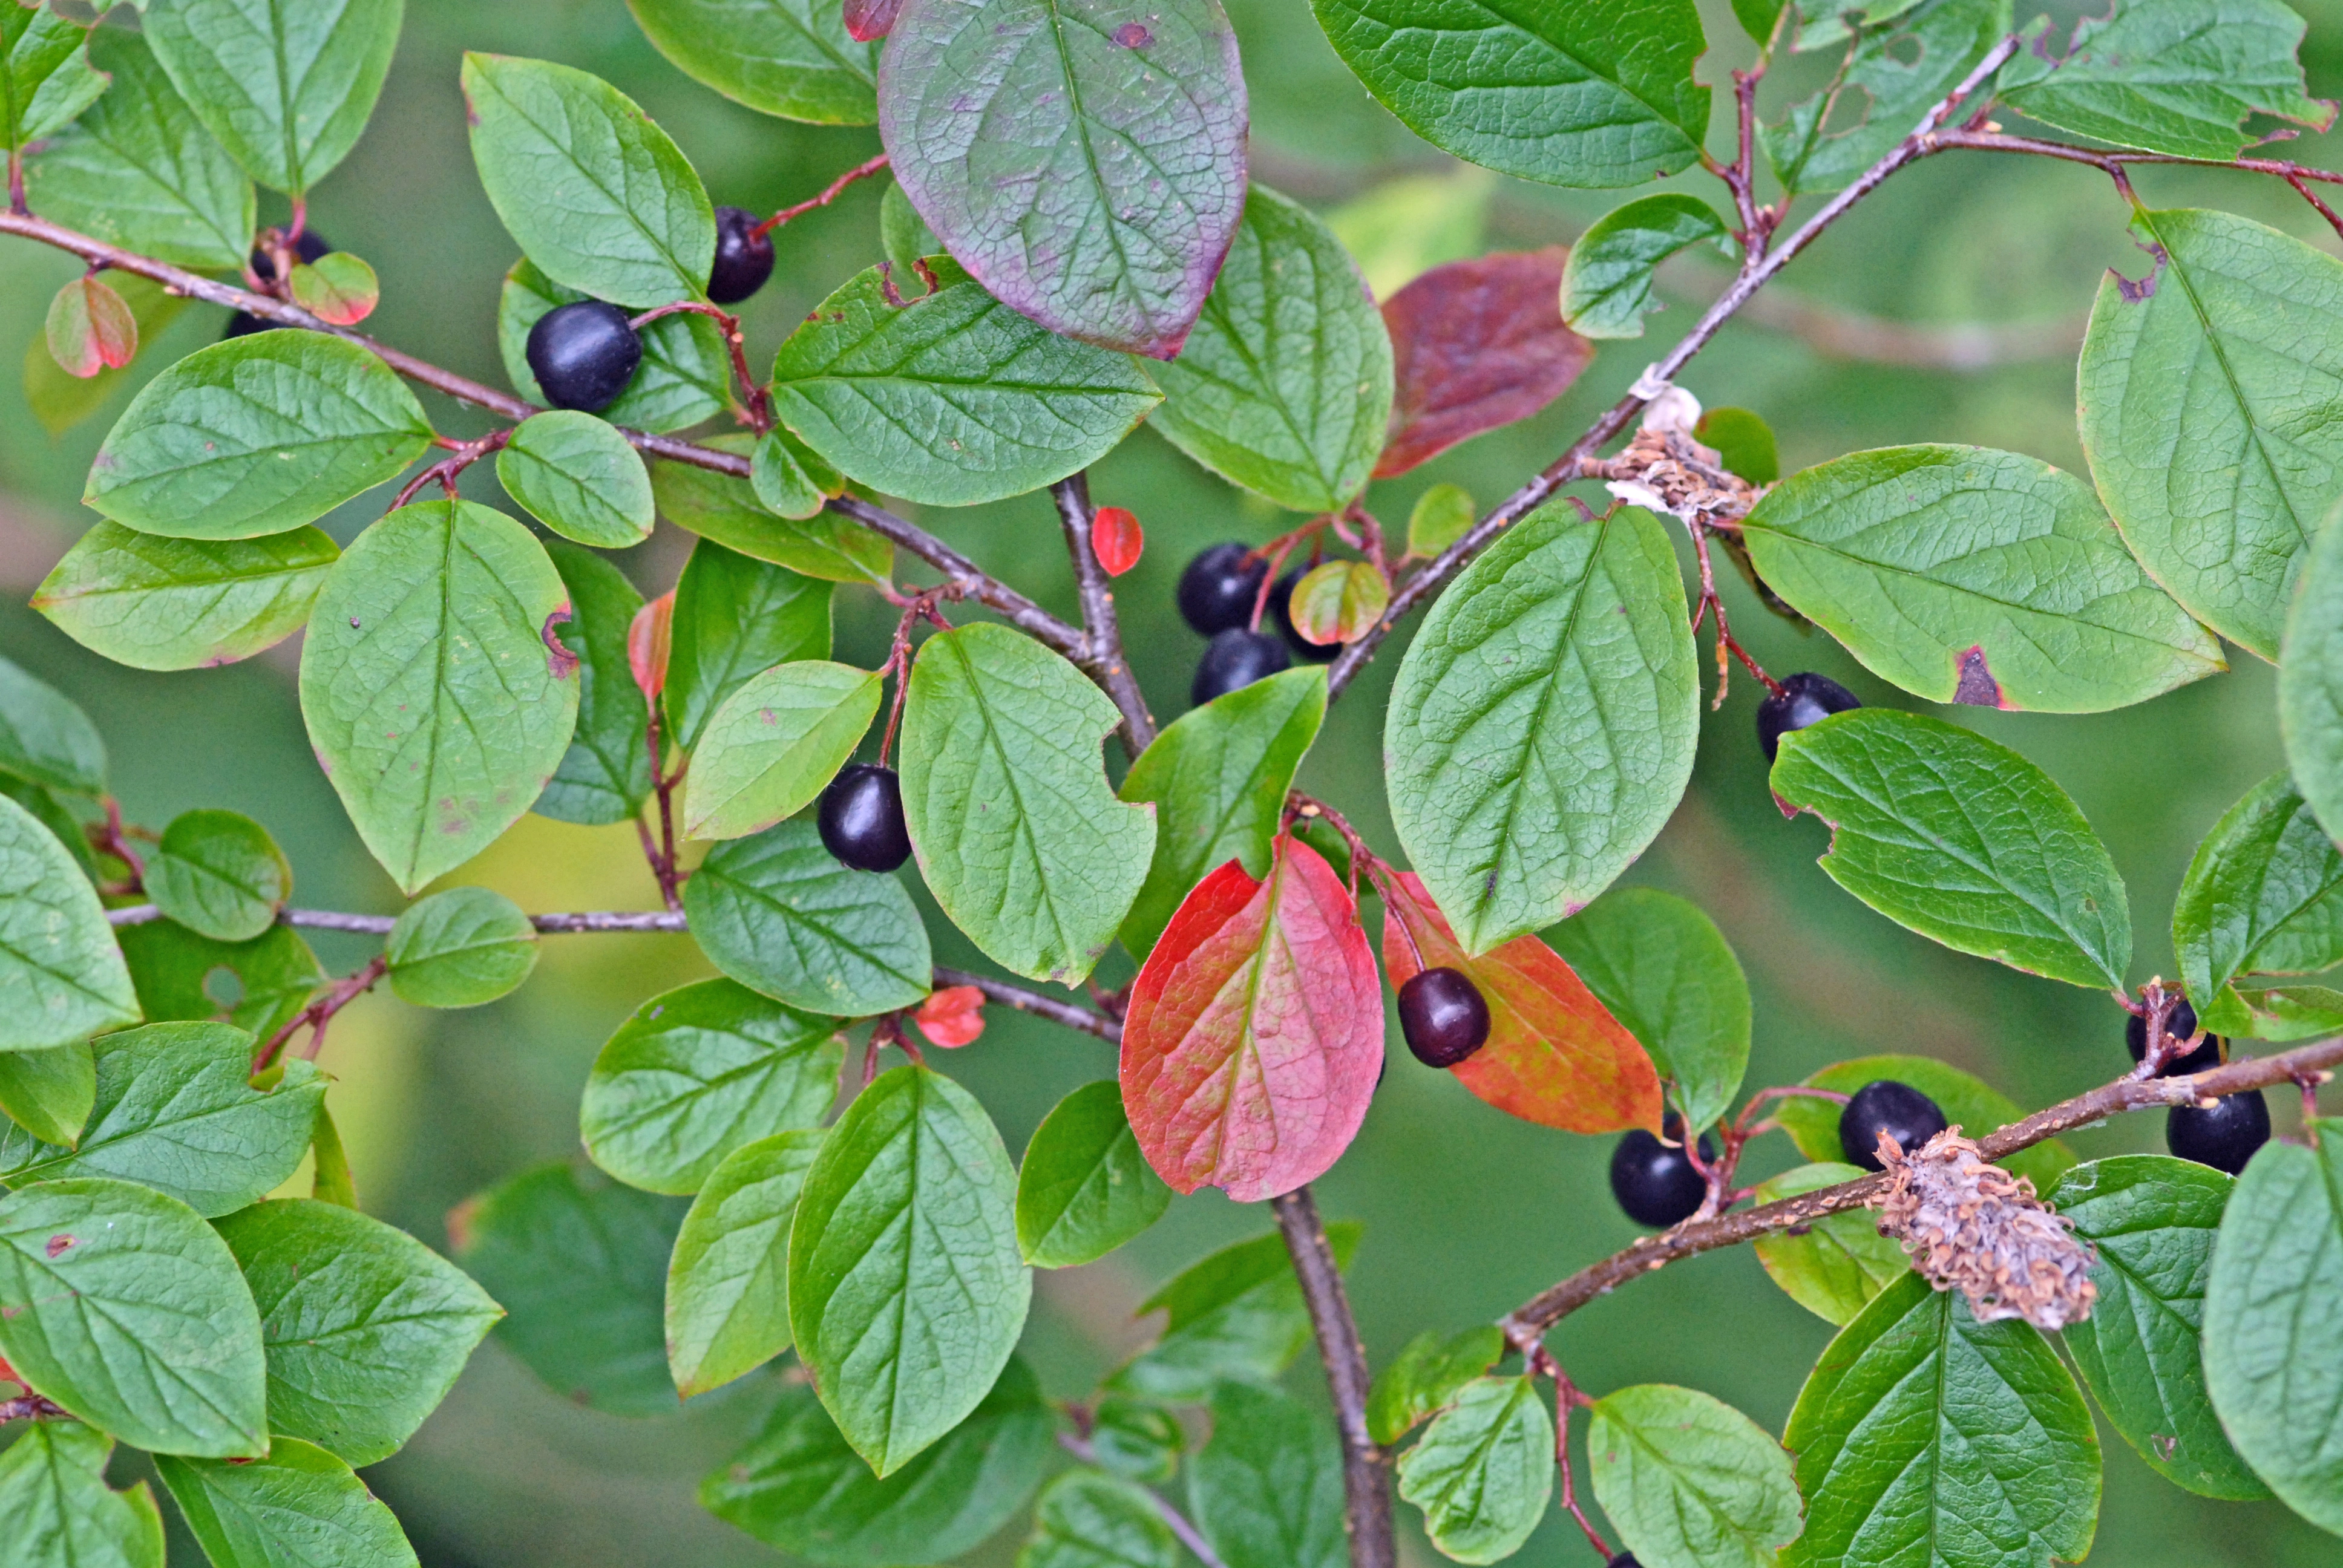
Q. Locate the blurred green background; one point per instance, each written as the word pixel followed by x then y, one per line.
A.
pixel 1879 336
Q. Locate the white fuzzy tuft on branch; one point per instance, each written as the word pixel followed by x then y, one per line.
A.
pixel 1974 1227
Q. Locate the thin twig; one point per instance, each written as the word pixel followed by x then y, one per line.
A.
pixel 836 188
pixel 964 574
pixel 1366 1466
pixel 1034 1003
pixel 1190 1536
pixel 1104 659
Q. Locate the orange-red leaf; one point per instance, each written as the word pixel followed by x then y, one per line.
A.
pixel 90 329
pixel 648 639
pixel 337 287
pixel 1555 1055
pixel 1117 538
pixel 870 19
pixel 1476 345
pixel 1255 1031
pixel 951 1017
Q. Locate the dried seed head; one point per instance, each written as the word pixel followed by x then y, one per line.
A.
pixel 1969 1224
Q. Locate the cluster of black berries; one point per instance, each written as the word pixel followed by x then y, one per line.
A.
pixel 2223 1134
pixel 1217 594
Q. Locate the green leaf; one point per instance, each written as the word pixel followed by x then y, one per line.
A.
pixel 156 603
pixel 906 1290
pixel 724 510
pixel 1834 1266
pixel 1218 776
pixel 2264 895
pixel 728 1290
pixel 1662 968
pixel 1689 1481
pixel 1606 285
pixel 780 914
pixel 736 616
pixel 2174 76
pixel 579 476
pixel 1483 1470
pixel 798 1487
pixel 175 1110
pixel 297 1507
pixel 1907 58
pixel 2273 1353
pixel 286 89
pixel 60 1511
pixel 1759 18
pixel 1267 1489
pixel 686 374
pixel 2290 1012
pixel 51 813
pixel 220 874
pixel 1961 840
pixel 460 948
pixel 787 57
pixel 1542 726
pixel 1744 440
pixel 1426 1376
pixel 789 479
pixel 118 1302
pixel 1338 601
pixel 599 197
pixel 45 737
pixel 1925 1435
pixel 1285 385
pixel 1569 94
pixel 581 1269
pixel 1138 1441
pixel 45 79
pixel 1975 1106
pixel 1965 575
pixel 2202 417
pixel 49 1093
pixel 331 1179
pixel 699 1072
pixel 951 398
pixel 1018 833
pixel 1084 1189
pixel 365 1327
pixel 431 696
pixel 606 774
pixel 2152 1220
pixel 1086 1520
pixel 903 234
pixel 256 436
pixel 1441 516
pixel 139 171
pixel 61 976
pixel 1237 1313
pixel 774 745
pixel 2311 683
pixel 257 986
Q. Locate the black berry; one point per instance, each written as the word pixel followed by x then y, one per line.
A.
pixel 1884 1105
pixel 1624 1559
pixel 1443 1016
pixel 1654 1181
pixel 583 354
pixel 309 247
pixel 861 819
pixel 1806 698
pixel 2178 1025
pixel 1219 586
pixel 2224 1137
pixel 744 258
pixel 1280 605
pixel 1233 659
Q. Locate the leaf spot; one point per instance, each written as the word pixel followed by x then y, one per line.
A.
pixel 1977 687
pixel 57 1244
pixel 1134 35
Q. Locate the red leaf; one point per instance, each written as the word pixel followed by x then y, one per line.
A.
pixel 951 1017
pixel 1117 539
pixel 1555 1055
pixel 1255 1033
pixel 870 19
pixel 648 639
pixel 1476 345
pixel 90 329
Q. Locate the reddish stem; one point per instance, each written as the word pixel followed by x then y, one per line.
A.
pixel 837 189
pixel 319 1013
pixel 756 410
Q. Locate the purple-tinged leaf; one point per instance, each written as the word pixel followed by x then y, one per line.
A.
pixel 1476 345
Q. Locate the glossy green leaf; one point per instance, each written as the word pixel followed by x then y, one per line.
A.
pixel 61 976
pixel 1662 968
pixel 45 737
pixel 726 511
pixel 1923 1435
pixel 1961 840
pixel 775 744
pixel 581 1269
pixel 951 398
pixel 49 1093
pixel 2273 1353
pixel 728 1288
pixel 599 197
pixel 1442 514
pixel 220 874
pixel 365 1327
pixel 46 78
pixel 51 812
pixel 1426 1376
pixel 1606 285
pixel 1483 1470
pixel 906 1290
pixel 577 476
pixel 1218 776
pixel 686 374
pixel 780 915
pixel 1834 1266
pixel 256 436
pixel 259 986
pixel 60 1511
pixel 1086 1520
pixel 2264 895
pixel 1136 1440
pixel 1569 94
pixel 1267 1491
pixel 736 616
pixel 1237 1313
pixel 1965 1100
pixel 119 1303
pixel 2311 683
pixel 1744 440
pixel 1084 1189
pixel 789 478
pixel 156 603
pixel 798 1487
pixel 1285 385
pixel 1542 726
pixel 606 774
pixel 2289 1012
pixel 1900 67
pixel 431 692
pixel 1689 1481
pixel 2204 413
pixel 286 88
pixel 699 1072
pixel 297 1507
pixel 460 948
pixel 1965 575
pixel 792 58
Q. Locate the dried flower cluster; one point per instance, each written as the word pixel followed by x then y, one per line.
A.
pixel 1665 469
pixel 1969 1224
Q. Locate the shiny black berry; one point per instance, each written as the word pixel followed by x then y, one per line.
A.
pixel 2178 1025
pixel 2224 1137
pixel 1443 1017
pixel 1624 1559
pixel 1233 659
pixel 1280 607
pixel 1218 587
pixel 1806 698
pixel 1654 1181
pixel 861 819
pixel 308 247
pixel 1887 1106
pixel 583 354
pixel 744 258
